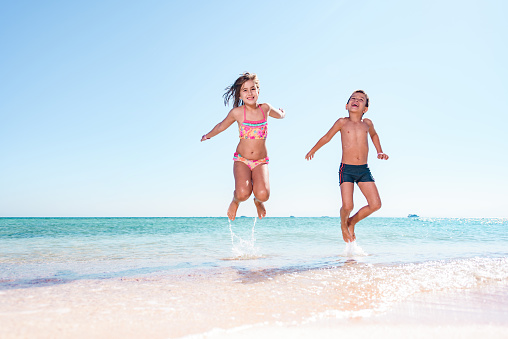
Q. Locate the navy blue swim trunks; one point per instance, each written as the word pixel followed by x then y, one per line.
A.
pixel 354 173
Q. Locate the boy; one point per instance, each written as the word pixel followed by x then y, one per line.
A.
pixel 353 167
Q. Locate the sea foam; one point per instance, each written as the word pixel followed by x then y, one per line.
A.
pixel 353 250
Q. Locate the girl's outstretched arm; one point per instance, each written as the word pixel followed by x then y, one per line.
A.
pixel 275 113
pixel 221 126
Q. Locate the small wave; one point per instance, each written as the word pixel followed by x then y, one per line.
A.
pixel 244 257
pixel 374 286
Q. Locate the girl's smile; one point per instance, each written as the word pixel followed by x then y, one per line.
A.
pixel 249 92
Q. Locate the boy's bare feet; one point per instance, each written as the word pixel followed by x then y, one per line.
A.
pixel 260 207
pixel 345 232
pixel 233 207
pixel 344 225
pixel 351 229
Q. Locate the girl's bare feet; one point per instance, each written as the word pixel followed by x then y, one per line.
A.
pixel 260 207
pixel 233 207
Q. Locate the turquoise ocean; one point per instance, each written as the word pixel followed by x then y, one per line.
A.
pixel 302 264
pixel 36 251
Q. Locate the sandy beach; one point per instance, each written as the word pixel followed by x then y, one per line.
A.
pixel 190 278
pixel 226 305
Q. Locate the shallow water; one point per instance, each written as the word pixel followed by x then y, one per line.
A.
pixel 83 248
pixel 205 273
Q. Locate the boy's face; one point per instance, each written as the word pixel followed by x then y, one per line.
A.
pixel 249 92
pixel 357 103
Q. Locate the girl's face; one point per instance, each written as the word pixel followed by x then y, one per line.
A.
pixel 249 93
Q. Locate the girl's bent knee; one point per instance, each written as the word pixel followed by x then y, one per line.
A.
pixel 242 195
pixel 262 195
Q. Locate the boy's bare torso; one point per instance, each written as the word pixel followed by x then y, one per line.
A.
pixel 354 137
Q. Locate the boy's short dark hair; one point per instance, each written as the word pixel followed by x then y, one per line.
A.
pixel 363 92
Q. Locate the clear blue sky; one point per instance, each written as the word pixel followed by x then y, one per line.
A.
pixel 103 104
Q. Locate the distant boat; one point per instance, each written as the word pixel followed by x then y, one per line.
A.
pixel 412 216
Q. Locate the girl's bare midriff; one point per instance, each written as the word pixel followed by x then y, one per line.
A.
pixel 252 149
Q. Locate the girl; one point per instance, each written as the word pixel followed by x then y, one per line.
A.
pixel 250 165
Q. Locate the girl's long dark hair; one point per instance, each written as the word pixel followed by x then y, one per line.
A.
pixel 233 91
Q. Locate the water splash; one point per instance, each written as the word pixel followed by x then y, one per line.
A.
pixel 244 248
pixel 353 250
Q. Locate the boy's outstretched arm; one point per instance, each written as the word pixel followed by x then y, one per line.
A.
pixel 375 140
pixel 326 138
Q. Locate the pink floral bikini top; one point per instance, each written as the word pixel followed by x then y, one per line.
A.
pixel 253 129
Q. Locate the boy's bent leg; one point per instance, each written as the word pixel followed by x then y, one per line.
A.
pixel 346 192
pixel 261 188
pixel 369 190
pixel 243 187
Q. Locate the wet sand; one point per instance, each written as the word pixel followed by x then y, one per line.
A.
pixel 232 304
